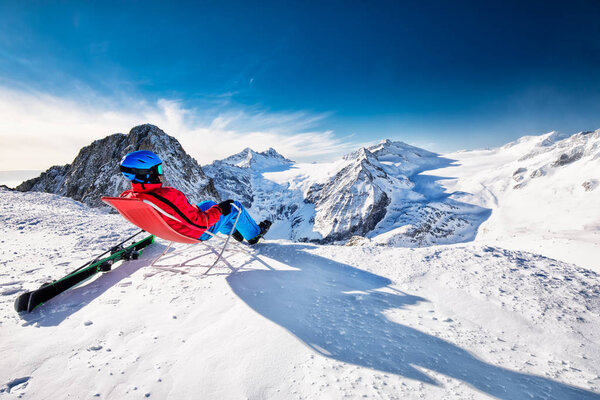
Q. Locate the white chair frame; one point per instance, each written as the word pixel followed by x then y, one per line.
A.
pixel 212 249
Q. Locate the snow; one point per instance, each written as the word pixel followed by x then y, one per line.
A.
pixel 535 204
pixel 501 299
pixel 295 321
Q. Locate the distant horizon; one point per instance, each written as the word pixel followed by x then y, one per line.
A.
pixel 10 175
pixel 317 78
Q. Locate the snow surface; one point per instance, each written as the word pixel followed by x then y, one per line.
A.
pixel 542 192
pixel 294 321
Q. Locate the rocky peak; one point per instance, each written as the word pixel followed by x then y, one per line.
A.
pixel 142 132
pixel 362 154
pixel 95 170
pixel 233 176
pixel 364 166
pixel 249 158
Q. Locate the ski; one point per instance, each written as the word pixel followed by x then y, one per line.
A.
pixel 30 300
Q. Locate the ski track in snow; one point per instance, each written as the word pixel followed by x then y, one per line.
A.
pixel 296 321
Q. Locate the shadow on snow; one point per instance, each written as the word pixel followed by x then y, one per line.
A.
pixel 338 311
pixel 59 308
pixel 436 217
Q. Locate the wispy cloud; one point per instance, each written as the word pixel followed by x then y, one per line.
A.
pixel 38 130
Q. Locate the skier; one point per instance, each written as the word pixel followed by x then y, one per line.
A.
pixel 144 169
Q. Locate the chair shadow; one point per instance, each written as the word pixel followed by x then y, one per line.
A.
pixel 180 262
pixel 338 311
pixel 59 308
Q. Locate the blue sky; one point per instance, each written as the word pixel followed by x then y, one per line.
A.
pixel 441 74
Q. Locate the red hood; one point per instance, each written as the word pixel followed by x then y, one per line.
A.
pixel 145 187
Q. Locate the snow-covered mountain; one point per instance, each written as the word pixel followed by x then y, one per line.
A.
pixel 371 192
pixel 95 171
pixel 395 204
pixel 264 161
pixel 234 176
pixel 543 193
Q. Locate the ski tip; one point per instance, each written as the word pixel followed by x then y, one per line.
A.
pixel 22 302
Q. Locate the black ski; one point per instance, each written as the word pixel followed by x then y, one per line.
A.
pixel 30 300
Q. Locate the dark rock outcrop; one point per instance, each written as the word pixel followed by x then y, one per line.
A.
pixel 95 170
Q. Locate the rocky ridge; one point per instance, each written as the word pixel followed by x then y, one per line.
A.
pixel 95 171
pixel 554 151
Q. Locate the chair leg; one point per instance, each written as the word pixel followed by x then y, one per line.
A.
pixel 227 240
pixel 162 254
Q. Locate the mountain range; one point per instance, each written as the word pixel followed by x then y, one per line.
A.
pixel 391 193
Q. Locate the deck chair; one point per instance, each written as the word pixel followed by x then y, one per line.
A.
pixel 146 215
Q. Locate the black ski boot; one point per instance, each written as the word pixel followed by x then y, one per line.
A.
pixel 264 228
pixel 237 236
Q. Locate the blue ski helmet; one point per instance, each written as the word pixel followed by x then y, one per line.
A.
pixel 142 166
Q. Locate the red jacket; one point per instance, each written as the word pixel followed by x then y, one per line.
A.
pixel 175 203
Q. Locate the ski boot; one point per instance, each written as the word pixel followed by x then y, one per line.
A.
pixel 237 236
pixel 264 228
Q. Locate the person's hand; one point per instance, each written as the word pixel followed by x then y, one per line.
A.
pixel 225 206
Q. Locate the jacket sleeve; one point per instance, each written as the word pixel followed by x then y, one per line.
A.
pixel 213 213
pixel 208 218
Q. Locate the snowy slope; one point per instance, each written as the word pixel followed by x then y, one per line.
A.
pixel 543 192
pixel 296 321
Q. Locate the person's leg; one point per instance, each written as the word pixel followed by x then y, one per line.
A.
pixel 245 225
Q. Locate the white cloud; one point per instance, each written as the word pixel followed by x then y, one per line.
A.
pixel 38 130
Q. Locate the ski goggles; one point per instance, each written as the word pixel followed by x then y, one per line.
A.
pixel 154 170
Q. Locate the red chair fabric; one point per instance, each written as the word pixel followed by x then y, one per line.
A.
pixel 145 217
